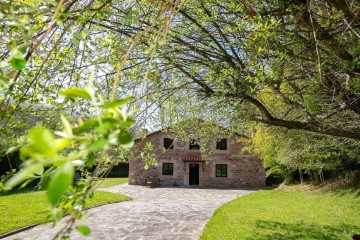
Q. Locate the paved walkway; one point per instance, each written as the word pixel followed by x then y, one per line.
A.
pixel 159 213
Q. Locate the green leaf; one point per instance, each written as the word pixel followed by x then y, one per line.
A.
pixel 149 146
pixel 128 123
pixel 59 21
pixel 108 123
pixel 23 175
pixel 26 183
pixel 12 149
pixel 84 230
pixel 86 126
pixel 125 139
pixel 75 40
pixel 132 16
pixel 62 179
pixel 66 124
pixel 22 49
pixel 84 33
pixel 42 141
pixel 24 152
pixel 90 160
pixel 18 62
pixel 97 145
pixel 117 103
pixel 61 143
pixel 45 180
pixel 75 92
pixel 162 41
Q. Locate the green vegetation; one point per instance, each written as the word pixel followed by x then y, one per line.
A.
pixel 298 156
pixel 54 157
pixel 291 65
pixel 292 213
pixel 110 182
pixel 26 208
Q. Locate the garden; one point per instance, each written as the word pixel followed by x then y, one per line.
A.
pixel 83 81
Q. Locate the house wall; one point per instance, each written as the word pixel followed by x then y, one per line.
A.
pixel 243 170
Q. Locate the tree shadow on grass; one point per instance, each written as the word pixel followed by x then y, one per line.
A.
pixel 267 230
pixel 350 190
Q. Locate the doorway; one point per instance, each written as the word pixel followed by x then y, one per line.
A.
pixel 194 174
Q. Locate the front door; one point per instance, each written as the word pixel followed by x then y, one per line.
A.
pixel 194 174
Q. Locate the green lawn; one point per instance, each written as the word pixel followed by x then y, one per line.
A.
pixel 110 182
pixel 293 213
pixel 25 208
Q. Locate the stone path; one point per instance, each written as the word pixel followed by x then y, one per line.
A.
pixel 159 213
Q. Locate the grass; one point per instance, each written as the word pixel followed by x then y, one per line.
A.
pixel 293 213
pixel 110 182
pixel 29 207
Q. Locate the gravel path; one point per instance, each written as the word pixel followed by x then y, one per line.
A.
pixel 159 213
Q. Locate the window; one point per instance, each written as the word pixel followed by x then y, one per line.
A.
pixel 168 143
pixel 168 168
pixel 194 144
pixel 221 170
pixel 221 144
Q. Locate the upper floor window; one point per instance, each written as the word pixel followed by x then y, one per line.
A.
pixel 221 170
pixel 221 144
pixel 194 144
pixel 168 143
pixel 168 168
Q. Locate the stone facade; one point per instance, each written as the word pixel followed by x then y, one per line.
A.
pixel 226 168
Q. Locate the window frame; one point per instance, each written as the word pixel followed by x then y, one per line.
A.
pixel 218 146
pixel 221 167
pixel 167 171
pixel 171 146
pixel 194 144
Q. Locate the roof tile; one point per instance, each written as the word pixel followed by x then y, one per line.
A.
pixel 192 158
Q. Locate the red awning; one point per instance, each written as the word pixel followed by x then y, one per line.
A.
pixel 192 158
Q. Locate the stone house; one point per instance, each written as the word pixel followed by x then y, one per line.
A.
pixel 181 164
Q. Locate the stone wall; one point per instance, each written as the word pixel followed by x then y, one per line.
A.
pixel 243 170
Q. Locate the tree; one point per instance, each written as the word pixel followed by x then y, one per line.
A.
pixel 44 60
pixel 292 64
pixel 287 152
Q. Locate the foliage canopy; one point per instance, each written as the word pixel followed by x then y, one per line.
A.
pixel 292 64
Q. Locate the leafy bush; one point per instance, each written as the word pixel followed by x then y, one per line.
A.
pixel 120 170
pixel 299 156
